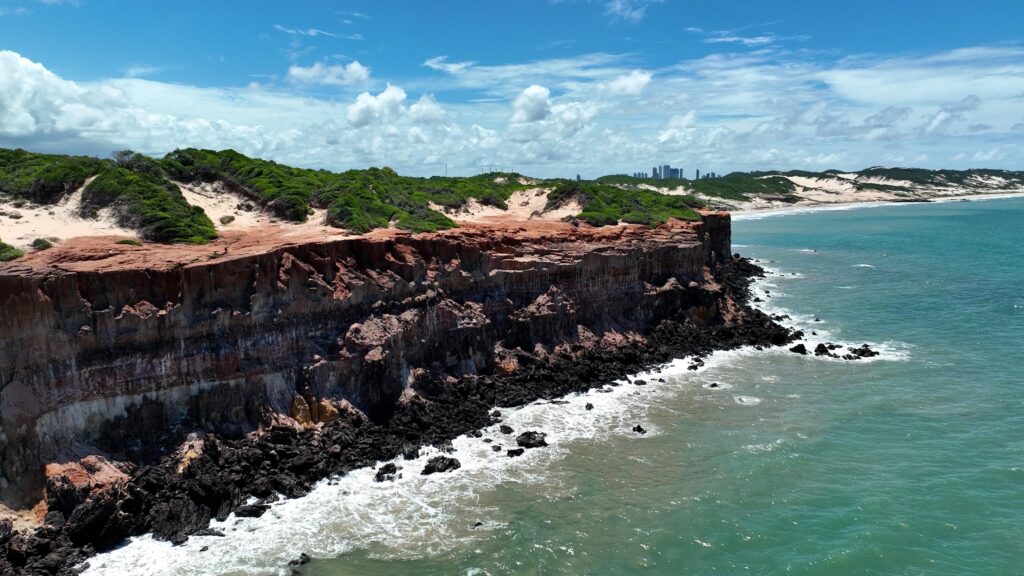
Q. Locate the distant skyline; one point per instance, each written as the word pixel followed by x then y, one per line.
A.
pixel 547 88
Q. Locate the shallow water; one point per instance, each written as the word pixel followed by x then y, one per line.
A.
pixel 912 463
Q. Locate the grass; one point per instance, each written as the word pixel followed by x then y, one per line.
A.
pixel 605 204
pixel 8 252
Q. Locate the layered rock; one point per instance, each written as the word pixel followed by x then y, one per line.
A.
pixel 120 351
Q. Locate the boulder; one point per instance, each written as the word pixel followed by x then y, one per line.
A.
pixel 441 464
pixel 799 349
pixel 531 439
pixel 386 472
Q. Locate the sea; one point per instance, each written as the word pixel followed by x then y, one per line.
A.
pixel 761 462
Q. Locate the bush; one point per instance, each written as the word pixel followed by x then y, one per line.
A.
pixel 129 242
pixel 150 204
pixel 605 205
pixel 8 252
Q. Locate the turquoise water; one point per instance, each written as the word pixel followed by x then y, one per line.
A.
pixel 912 463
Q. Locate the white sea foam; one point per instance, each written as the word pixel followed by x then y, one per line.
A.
pixel 417 516
pixel 414 516
pixel 863 266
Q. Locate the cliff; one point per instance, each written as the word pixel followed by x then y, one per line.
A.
pixel 113 353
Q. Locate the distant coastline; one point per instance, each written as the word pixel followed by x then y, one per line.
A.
pixel 751 212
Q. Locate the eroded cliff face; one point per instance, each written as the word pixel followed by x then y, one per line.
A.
pixel 120 351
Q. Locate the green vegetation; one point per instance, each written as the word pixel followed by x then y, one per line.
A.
pixel 737 186
pixel 43 178
pixel 360 200
pixel 150 204
pixel 42 244
pixel 133 185
pixel 8 252
pixel 129 242
pixel 605 204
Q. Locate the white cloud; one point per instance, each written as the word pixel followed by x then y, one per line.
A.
pixel 631 84
pixel 441 63
pixel 532 104
pixel 631 11
pixel 426 110
pixel 141 71
pixel 758 109
pixel 350 74
pixel 304 32
pixel 745 40
pixel 369 108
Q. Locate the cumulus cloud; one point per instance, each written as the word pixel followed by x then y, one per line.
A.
pixel 369 108
pixel 426 110
pixel 532 104
pixel 350 74
pixel 631 84
pixel 759 109
pixel 950 113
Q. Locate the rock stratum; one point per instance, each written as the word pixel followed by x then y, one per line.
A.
pixel 152 388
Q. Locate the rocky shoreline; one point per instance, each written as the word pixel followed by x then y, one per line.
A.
pixel 173 501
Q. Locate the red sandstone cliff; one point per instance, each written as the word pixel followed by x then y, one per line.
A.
pixel 112 349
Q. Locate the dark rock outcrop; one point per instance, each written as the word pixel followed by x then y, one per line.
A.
pixel 531 439
pixel 439 464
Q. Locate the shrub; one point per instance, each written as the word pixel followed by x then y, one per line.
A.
pixel 129 242
pixel 8 252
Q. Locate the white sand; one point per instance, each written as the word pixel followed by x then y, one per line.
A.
pixel 522 205
pixel 60 220
pixel 217 201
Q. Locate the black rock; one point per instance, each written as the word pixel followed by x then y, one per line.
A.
pixel 475 433
pixel 531 439
pixel 386 472
pixel 513 452
pixel 713 385
pixel 302 560
pixel 496 414
pixel 496 448
pixel 505 429
pixel 209 532
pixel 821 350
pixel 6 531
pixel 488 440
pixel 799 349
pixel 589 406
pixel 477 524
pixel 410 452
pixel 639 429
pixel 441 464
pixel 639 382
pixel 252 510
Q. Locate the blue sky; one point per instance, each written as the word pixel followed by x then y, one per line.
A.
pixel 539 86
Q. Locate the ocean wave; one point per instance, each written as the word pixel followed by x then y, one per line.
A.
pixel 419 516
pixel 414 516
